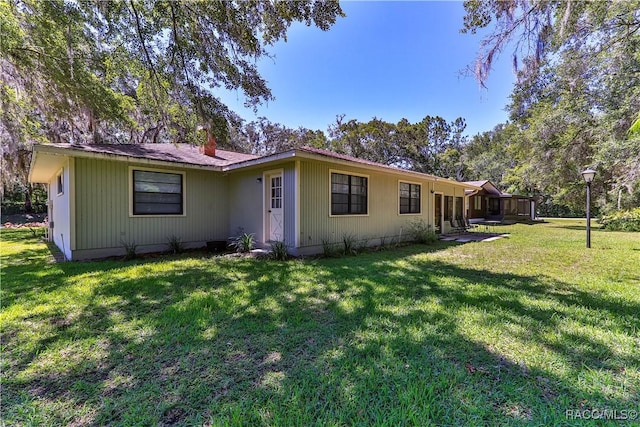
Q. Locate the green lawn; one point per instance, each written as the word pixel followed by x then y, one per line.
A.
pixel 515 331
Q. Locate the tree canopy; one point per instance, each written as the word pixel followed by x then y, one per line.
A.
pixel 577 96
pixel 135 71
pixel 431 145
pixel 139 71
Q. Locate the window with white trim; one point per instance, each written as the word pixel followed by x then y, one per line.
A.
pixel 410 198
pixel 157 193
pixel 60 182
pixel 348 194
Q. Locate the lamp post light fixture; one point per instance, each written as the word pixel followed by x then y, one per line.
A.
pixel 588 175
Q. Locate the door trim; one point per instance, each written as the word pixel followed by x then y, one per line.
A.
pixel 435 196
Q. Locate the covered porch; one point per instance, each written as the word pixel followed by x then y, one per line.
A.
pixel 490 204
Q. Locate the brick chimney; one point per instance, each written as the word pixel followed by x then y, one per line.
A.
pixel 209 148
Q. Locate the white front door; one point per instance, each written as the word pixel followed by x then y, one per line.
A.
pixel 275 208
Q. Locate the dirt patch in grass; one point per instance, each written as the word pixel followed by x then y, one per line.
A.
pixel 173 416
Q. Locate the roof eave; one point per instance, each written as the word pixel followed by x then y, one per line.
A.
pixel 383 168
pixel 303 154
pixel 31 165
pixel 70 151
pixel 259 161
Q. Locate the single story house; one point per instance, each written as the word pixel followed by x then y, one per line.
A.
pixel 102 197
pixel 491 204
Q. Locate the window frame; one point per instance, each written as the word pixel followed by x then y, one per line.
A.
pixel 348 173
pixel 477 203
pixel 60 182
pixel 445 206
pixel 157 170
pixel 526 207
pixel 458 208
pixel 410 183
pixel 493 203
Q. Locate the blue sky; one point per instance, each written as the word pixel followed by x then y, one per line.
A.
pixel 390 60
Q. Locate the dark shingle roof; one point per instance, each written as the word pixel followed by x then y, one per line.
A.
pixel 477 183
pixel 348 158
pixel 177 153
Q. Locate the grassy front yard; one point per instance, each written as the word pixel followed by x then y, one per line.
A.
pixel 515 331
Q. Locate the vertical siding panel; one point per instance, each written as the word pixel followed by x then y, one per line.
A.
pixel 89 201
pixel 217 204
pixel 290 204
pixel 105 224
pixel 383 219
pixel 79 199
pixel 245 203
pixel 103 208
pixel 120 206
pixel 246 198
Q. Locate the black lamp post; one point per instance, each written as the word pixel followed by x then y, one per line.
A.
pixel 588 175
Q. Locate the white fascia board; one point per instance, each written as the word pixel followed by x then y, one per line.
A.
pixel 260 161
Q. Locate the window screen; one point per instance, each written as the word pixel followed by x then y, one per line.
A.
pixel 409 198
pixel 157 193
pixel 348 194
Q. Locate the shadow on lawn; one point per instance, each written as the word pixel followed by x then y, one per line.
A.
pixel 342 341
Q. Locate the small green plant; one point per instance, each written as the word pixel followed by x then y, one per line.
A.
pixel 175 244
pixel 37 233
pixel 243 243
pixel 622 220
pixel 349 244
pixel 362 246
pixel 386 243
pixel 328 249
pixel 279 251
pixel 421 232
pixel 129 249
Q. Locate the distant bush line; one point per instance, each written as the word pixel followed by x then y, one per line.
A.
pixel 628 220
pixel 10 207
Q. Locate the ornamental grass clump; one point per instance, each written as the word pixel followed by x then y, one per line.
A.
pixel 421 232
pixel 243 243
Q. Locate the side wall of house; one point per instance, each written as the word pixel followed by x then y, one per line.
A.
pixel 383 221
pixel 60 209
pixel 477 213
pixel 103 202
pixel 248 201
pixel 245 204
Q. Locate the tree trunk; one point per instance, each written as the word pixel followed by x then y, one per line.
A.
pixel 619 197
pixel 28 208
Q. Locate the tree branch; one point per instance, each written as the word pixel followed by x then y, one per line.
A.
pixel 146 52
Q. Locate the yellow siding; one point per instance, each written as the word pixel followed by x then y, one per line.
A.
pixel 383 219
pixel 102 208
